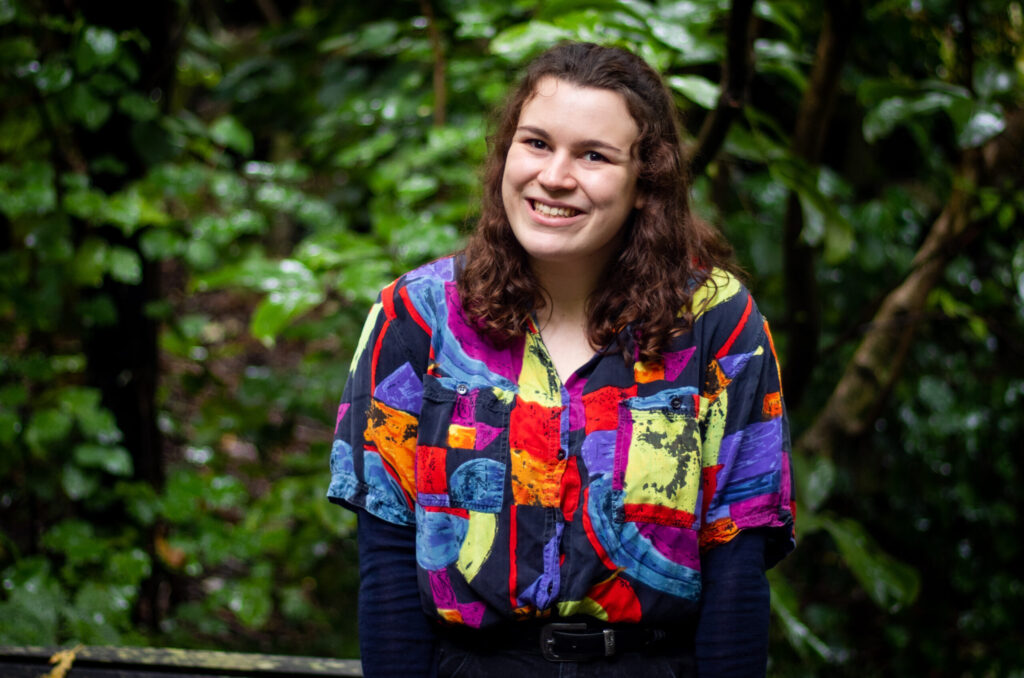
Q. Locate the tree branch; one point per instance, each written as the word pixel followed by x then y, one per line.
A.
pixel 872 372
pixel 737 69
pixel 440 87
pixel 803 311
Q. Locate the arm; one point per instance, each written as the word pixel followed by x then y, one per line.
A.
pixel 732 626
pixel 395 637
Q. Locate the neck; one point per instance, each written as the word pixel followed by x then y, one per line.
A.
pixel 568 288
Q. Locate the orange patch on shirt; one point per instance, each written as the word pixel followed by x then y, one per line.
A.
pixel 718 532
pixel 772 406
pixel 536 481
pixel 394 434
pixel 646 372
pixel 463 437
pixel 715 381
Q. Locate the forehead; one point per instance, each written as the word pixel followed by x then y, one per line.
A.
pixel 558 106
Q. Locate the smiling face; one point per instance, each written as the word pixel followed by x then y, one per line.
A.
pixel 570 182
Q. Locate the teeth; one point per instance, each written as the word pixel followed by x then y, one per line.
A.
pixel 550 211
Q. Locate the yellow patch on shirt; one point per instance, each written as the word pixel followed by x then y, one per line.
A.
pixel 477 545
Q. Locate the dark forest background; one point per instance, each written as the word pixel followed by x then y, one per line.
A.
pixel 200 198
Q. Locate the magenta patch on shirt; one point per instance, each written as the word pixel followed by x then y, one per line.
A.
pixel 342 409
pixel 676 362
pixel 472 613
pixel 465 410
pixel 485 434
pixel 577 413
pixel 441 589
pixel 622 441
pixel 507 362
pixel 751 512
pixel 678 544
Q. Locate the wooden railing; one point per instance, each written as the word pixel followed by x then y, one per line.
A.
pixel 149 662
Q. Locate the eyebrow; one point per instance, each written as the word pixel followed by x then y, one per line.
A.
pixel 588 143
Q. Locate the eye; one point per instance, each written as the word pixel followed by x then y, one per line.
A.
pixel 535 143
pixel 594 156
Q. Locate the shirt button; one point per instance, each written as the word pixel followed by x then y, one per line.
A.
pixel 561 454
pixel 462 389
pixel 676 403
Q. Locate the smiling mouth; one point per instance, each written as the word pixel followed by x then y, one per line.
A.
pixel 552 211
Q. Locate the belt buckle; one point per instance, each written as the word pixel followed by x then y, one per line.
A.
pixel 547 641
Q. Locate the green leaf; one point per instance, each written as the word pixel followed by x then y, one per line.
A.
pixel 129 567
pixel 31 613
pixel 98 47
pixel 90 262
pixel 249 600
pixel 785 606
pixel 78 483
pixel 113 459
pixel 891 584
pixel 88 108
pixel 45 427
pixel 815 479
pixel 977 122
pixel 699 90
pixel 228 131
pixel 521 41
pixel 137 106
pixel 182 496
pixel 125 265
pixel 417 187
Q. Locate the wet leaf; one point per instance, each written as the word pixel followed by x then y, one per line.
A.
pixel 890 583
pixel 699 90
pixel 228 131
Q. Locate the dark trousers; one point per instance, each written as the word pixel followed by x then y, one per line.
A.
pixel 461 661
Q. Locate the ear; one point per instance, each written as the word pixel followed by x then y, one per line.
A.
pixel 640 200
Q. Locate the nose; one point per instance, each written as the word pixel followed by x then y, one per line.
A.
pixel 556 174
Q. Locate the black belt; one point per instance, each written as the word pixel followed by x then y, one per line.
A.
pixel 563 641
pixel 570 642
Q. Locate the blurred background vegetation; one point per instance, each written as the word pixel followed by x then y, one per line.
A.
pixel 200 198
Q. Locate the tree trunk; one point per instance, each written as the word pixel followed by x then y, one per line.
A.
pixel 803 306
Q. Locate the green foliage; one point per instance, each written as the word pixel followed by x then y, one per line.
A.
pixel 291 169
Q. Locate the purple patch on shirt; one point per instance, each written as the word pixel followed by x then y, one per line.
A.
pixel 401 390
pixel 678 544
pixel 442 268
pixel 734 364
pixel 599 452
pixel 507 362
pixel 544 589
pixel 676 362
pixel 754 451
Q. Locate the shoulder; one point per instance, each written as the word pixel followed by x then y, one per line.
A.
pixel 420 296
pixel 421 290
pixel 720 296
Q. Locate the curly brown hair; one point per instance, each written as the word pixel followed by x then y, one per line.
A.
pixel 667 253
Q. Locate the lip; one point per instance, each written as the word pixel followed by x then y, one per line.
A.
pixel 553 220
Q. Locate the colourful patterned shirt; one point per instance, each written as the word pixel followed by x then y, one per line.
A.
pixel 532 497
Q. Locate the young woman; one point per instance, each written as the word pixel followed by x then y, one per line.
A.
pixel 567 444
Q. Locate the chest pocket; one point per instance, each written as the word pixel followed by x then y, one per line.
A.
pixel 657 458
pixel 462 447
